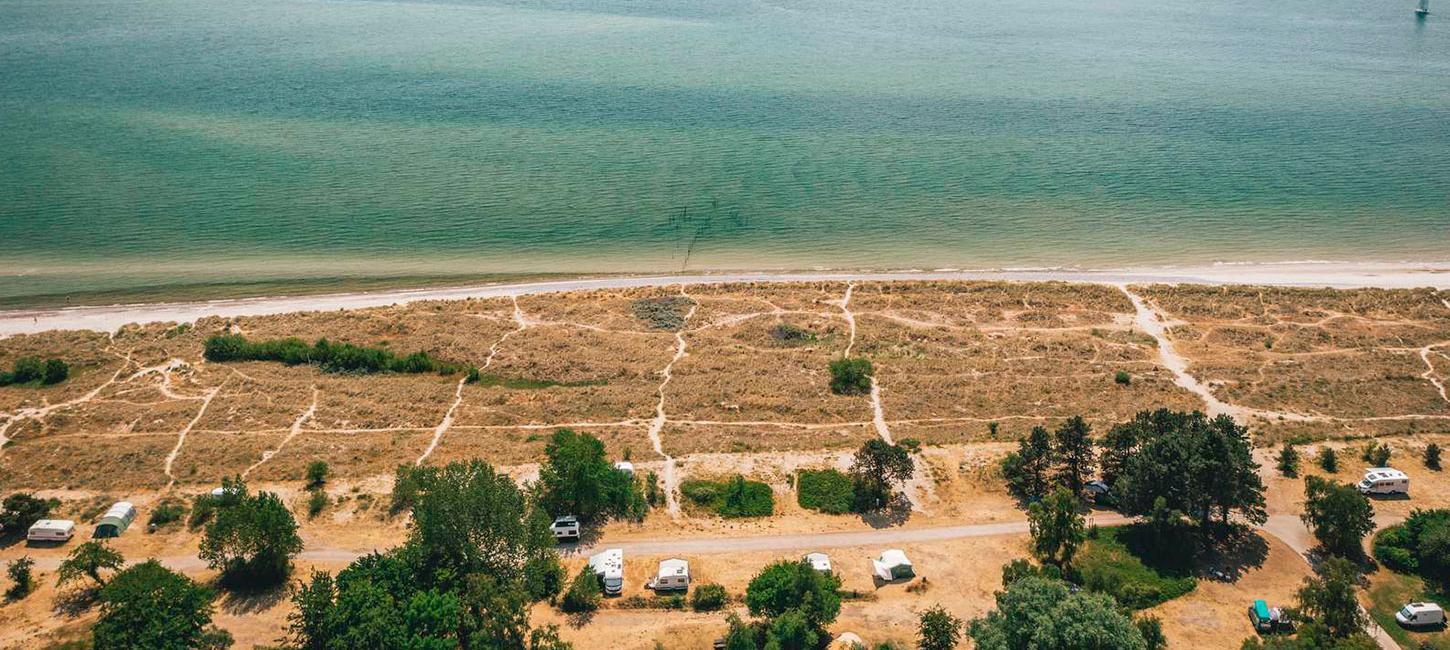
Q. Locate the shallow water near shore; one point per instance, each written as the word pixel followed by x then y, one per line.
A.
pixel 150 144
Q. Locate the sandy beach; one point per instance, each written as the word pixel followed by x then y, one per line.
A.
pixel 1304 274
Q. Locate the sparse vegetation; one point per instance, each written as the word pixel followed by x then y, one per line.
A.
pixel 1377 455
pixel 326 355
pixel 788 334
pixel 664 312
pixel 827 490
pixel 732 498
pixel 851 375
pixel 316 502
pixel 21 580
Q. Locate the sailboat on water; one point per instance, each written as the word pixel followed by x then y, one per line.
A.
pixel 1423 9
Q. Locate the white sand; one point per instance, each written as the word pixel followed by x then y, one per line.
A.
pixel 1341 275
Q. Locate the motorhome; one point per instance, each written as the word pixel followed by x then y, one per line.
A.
pixel 565 529
pixel 609 566
pixel 674 575
pixel 1384 480
pixel 1420 615
pixel 51 530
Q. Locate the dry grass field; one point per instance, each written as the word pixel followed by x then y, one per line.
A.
pixel 740 385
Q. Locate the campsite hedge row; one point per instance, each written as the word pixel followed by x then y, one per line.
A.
pixel 827 490
pixel 329 356
pixel 733 498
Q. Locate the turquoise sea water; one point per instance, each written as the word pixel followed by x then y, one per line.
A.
pixel 155 142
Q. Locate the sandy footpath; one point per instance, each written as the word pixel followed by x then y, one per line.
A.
pixel 1340 275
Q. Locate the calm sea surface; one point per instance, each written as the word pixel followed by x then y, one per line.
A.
pixel 150 143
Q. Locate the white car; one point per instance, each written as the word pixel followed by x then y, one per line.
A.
pixel 565 528
pixel 1420 615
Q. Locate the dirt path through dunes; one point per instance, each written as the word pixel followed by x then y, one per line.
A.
pixel 291 433
pixel 667 473
pixel 109 317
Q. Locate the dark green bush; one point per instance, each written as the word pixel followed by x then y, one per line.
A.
pixel 731 499
pixel 851 376
pixel 583 594
pixel 826 490
pixel 316 503
pixel 1122 377
pixel 31 370
pixel 326 355
pixel 1418 545
pixel 791 334
pixel 708 597
pixel 168 511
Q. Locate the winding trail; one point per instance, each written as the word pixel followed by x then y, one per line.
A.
pixel 181 435
pixel 667 473
pixel 1429 373
pixel 291 433
pixel 41 412
pixel 442 427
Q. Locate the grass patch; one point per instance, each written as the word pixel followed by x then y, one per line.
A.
pixel 1388 593
pixel 662 313
pixel 1117 562
pixel 826 490
pixel 328 356
pixel 731 498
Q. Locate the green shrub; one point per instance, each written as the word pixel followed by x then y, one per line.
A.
pixel 1328 460
pixel 170 510
pixel 664 312
pixel 326 355
pixel 708 597
pixel 1419 545
pixel 21 580
pixel 851 376
pixel 203 506
pixel 825 490
pixel 317 471
pixel 1123 378
pixel 316 502
pixel 31 370
pixel 731 499
pixel 1116 562
pixel 56 371
pixel 791 334
pixel 1432 456
pixel 583 594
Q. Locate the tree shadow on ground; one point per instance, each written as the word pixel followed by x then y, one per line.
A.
pixel 1225 557
pixel 578 620
pixel 896 512
pixel 240 602
pixel 75 602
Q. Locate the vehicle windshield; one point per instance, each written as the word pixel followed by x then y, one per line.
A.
pixel 1405 612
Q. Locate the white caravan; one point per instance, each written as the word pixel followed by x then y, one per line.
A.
pixel 818 561
pixel 51 530
pixel 1384 480
pixel 609 566
pixel 674 575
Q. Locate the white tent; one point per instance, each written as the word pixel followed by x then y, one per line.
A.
pixel 673 574
pixel 625 466
pixel 893 565
pixel 819 561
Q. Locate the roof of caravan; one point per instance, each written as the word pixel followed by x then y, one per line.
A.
pixel 53 524
pixel 674 567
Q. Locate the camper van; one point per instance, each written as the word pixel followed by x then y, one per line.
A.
pixel 1384 480
pixel 609 566
pixel 51 530
pixel 1420 615
pixel 1267 619
pixel 674 575
pixel 818 561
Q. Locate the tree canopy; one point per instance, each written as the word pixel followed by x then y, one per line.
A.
pixel 1202 467
pixel 1328 598
pixel 253 541
pixel 877 467
pixel 938 630
pixel 150 607
pixel 21 510
pixel 577 479
pixel 1338 515
pixel 1040 613
pixel 88 560
pixel 786 586
pixel 1058 529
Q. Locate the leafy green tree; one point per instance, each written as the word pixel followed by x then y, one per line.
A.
pixel 1329 600
pixel 739 636
pixel 1027 469
pixel 21 581
pixel 1328 460
pixel 792 630
pixel 252 543
pixel 1040 613
pixel 309 624
pixel 938 630
pixel 317 472
pixel 27 369
pixel 1432 456
pixel 851 376
pixel 56 371
pixel 583 595
pixel 1151 627
pixel 708 597
pixel 577 479
pixel 1073 447
pixel 149 607
pixel 1338 515
pixel 1058 529
pixel 1117 445
pixel 795 586
pixel 88 560
pixel 1201 467
pixel 21 510
pixel 1289 461
pixel 878 466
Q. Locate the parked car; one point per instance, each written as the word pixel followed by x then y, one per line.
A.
pixel 565 529
pixel 1420 615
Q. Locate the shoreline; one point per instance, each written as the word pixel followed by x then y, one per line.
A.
pixel 1290 274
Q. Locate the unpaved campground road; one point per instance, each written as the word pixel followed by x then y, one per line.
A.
pixel 1290 530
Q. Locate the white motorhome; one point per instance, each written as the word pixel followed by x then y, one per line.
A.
pixel 674 574
pixel 51 530
pixel 1420 615
pixel 1384 480
pixel 609 566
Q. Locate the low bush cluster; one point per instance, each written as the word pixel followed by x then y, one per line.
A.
pixel 326 355
pixel 1420 545
pixel 826 490
pixel 664 312
pixel 170 510
pixel 851 376
pixel 733 498
pixel 31 370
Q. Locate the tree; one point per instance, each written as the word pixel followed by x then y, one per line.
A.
pixel 317 471
pixel 792 631
pixel 1289 461
pixel 1057 527
pixel 708 597
pixel 577 479
pixel 1201 467
pixel 1432 456
pixel 851 376
pixel 1328 460
pixel 252 543
pixel 1151 627
pixel 786 586
pixel 1073 446
pixel 21 582
pixel 1117 445
pixel 938 630
pixel 1040 613
pixel 1338 515
pixel 88 560
pixel 878 465
pixel 583 595
pixel 739 636
pixel 149 607
pixel 21 510
pixel 1026 469
pixel 1329 600
pixel 308 624
pixel 56 371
